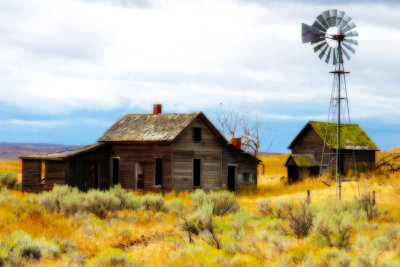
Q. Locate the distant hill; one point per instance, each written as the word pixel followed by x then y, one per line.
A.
pixel 12 151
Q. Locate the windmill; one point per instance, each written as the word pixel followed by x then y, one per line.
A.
pixel 333 37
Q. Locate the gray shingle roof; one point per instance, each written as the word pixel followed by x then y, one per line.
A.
pixel 148 127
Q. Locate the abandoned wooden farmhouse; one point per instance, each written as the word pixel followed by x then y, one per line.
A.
pixel 318 138
pixel 151 152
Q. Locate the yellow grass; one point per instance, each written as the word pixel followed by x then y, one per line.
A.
pixel 156 239
pixel 11 166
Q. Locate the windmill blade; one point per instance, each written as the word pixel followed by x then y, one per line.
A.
pixel 351 25
pixel 351 41
pixel 328 56
pixel 322 39
pixel 351 34
pixel 309 33
pixel 339 18
pixel 349 48
pixel 317 25
pixel 323 51
pixel 322 21
pixel 333 15
pixel 334 57
pixel 326 17
pixel 318 47
pixel 345 53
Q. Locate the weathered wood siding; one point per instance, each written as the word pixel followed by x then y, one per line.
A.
pixel 185 150
pixel 309 142
pixel 54 172
pixel 78 168
pixel 129 154
pixel 364 159
pixel 31 175
pixel 230 157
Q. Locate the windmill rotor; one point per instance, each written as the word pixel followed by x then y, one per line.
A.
pixel 331 29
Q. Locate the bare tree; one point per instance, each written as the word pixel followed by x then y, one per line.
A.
pixel 389 162
pixel 236 123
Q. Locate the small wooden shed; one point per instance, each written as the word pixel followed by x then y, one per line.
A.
pixel 318 138
pixel 152 152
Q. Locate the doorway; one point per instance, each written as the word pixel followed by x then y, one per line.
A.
pixel 232 178
pixel 139 175
pixel 93 175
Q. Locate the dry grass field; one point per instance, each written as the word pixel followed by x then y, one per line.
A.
pixel 265 227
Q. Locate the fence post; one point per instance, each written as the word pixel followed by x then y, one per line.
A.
pixel 308 196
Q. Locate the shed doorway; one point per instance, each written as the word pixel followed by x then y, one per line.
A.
pixel 232 178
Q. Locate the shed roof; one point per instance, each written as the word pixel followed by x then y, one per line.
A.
pixel 303 160
pixel 352 136
pixel 153 128
pixel 61 155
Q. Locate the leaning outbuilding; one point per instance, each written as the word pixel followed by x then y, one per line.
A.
pixel 318 138
pixel 151 152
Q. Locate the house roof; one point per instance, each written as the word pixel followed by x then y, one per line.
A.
pixel 153 128
pixel 144 128
pixel 61 155
pixel 303 160
pixel 352 136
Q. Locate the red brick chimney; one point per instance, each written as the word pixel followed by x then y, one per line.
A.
pixel 237 142
pixel 157 109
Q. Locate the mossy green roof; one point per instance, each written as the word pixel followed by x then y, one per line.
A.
pixel 303 161
pixel 352 136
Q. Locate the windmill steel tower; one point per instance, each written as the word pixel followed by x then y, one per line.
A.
pixel 333 36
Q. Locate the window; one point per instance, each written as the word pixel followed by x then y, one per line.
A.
pixel 158 173
pixel 115 171
pixel 196 172
pixel 42 172
pixel 246 177
pixel 197 134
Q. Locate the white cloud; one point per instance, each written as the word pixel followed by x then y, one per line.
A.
pixel 62 56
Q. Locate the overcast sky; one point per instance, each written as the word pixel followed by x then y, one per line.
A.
pixel 69 69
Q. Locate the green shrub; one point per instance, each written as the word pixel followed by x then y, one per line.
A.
pixel 52 200
pixel 190 224
pixel 206 223
pixel 66 245
pixel 239 223
pixel 365 204
pixel 153 202
pixel 197 198
pixel 72 203
pixel 5 195
pixel 223 202
pixel 301 219
pixel 127 199
pixel 8 179
pixel 99 202
pixel 20 247
pixel 112 257
pixel 278 211
pixel 177 206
